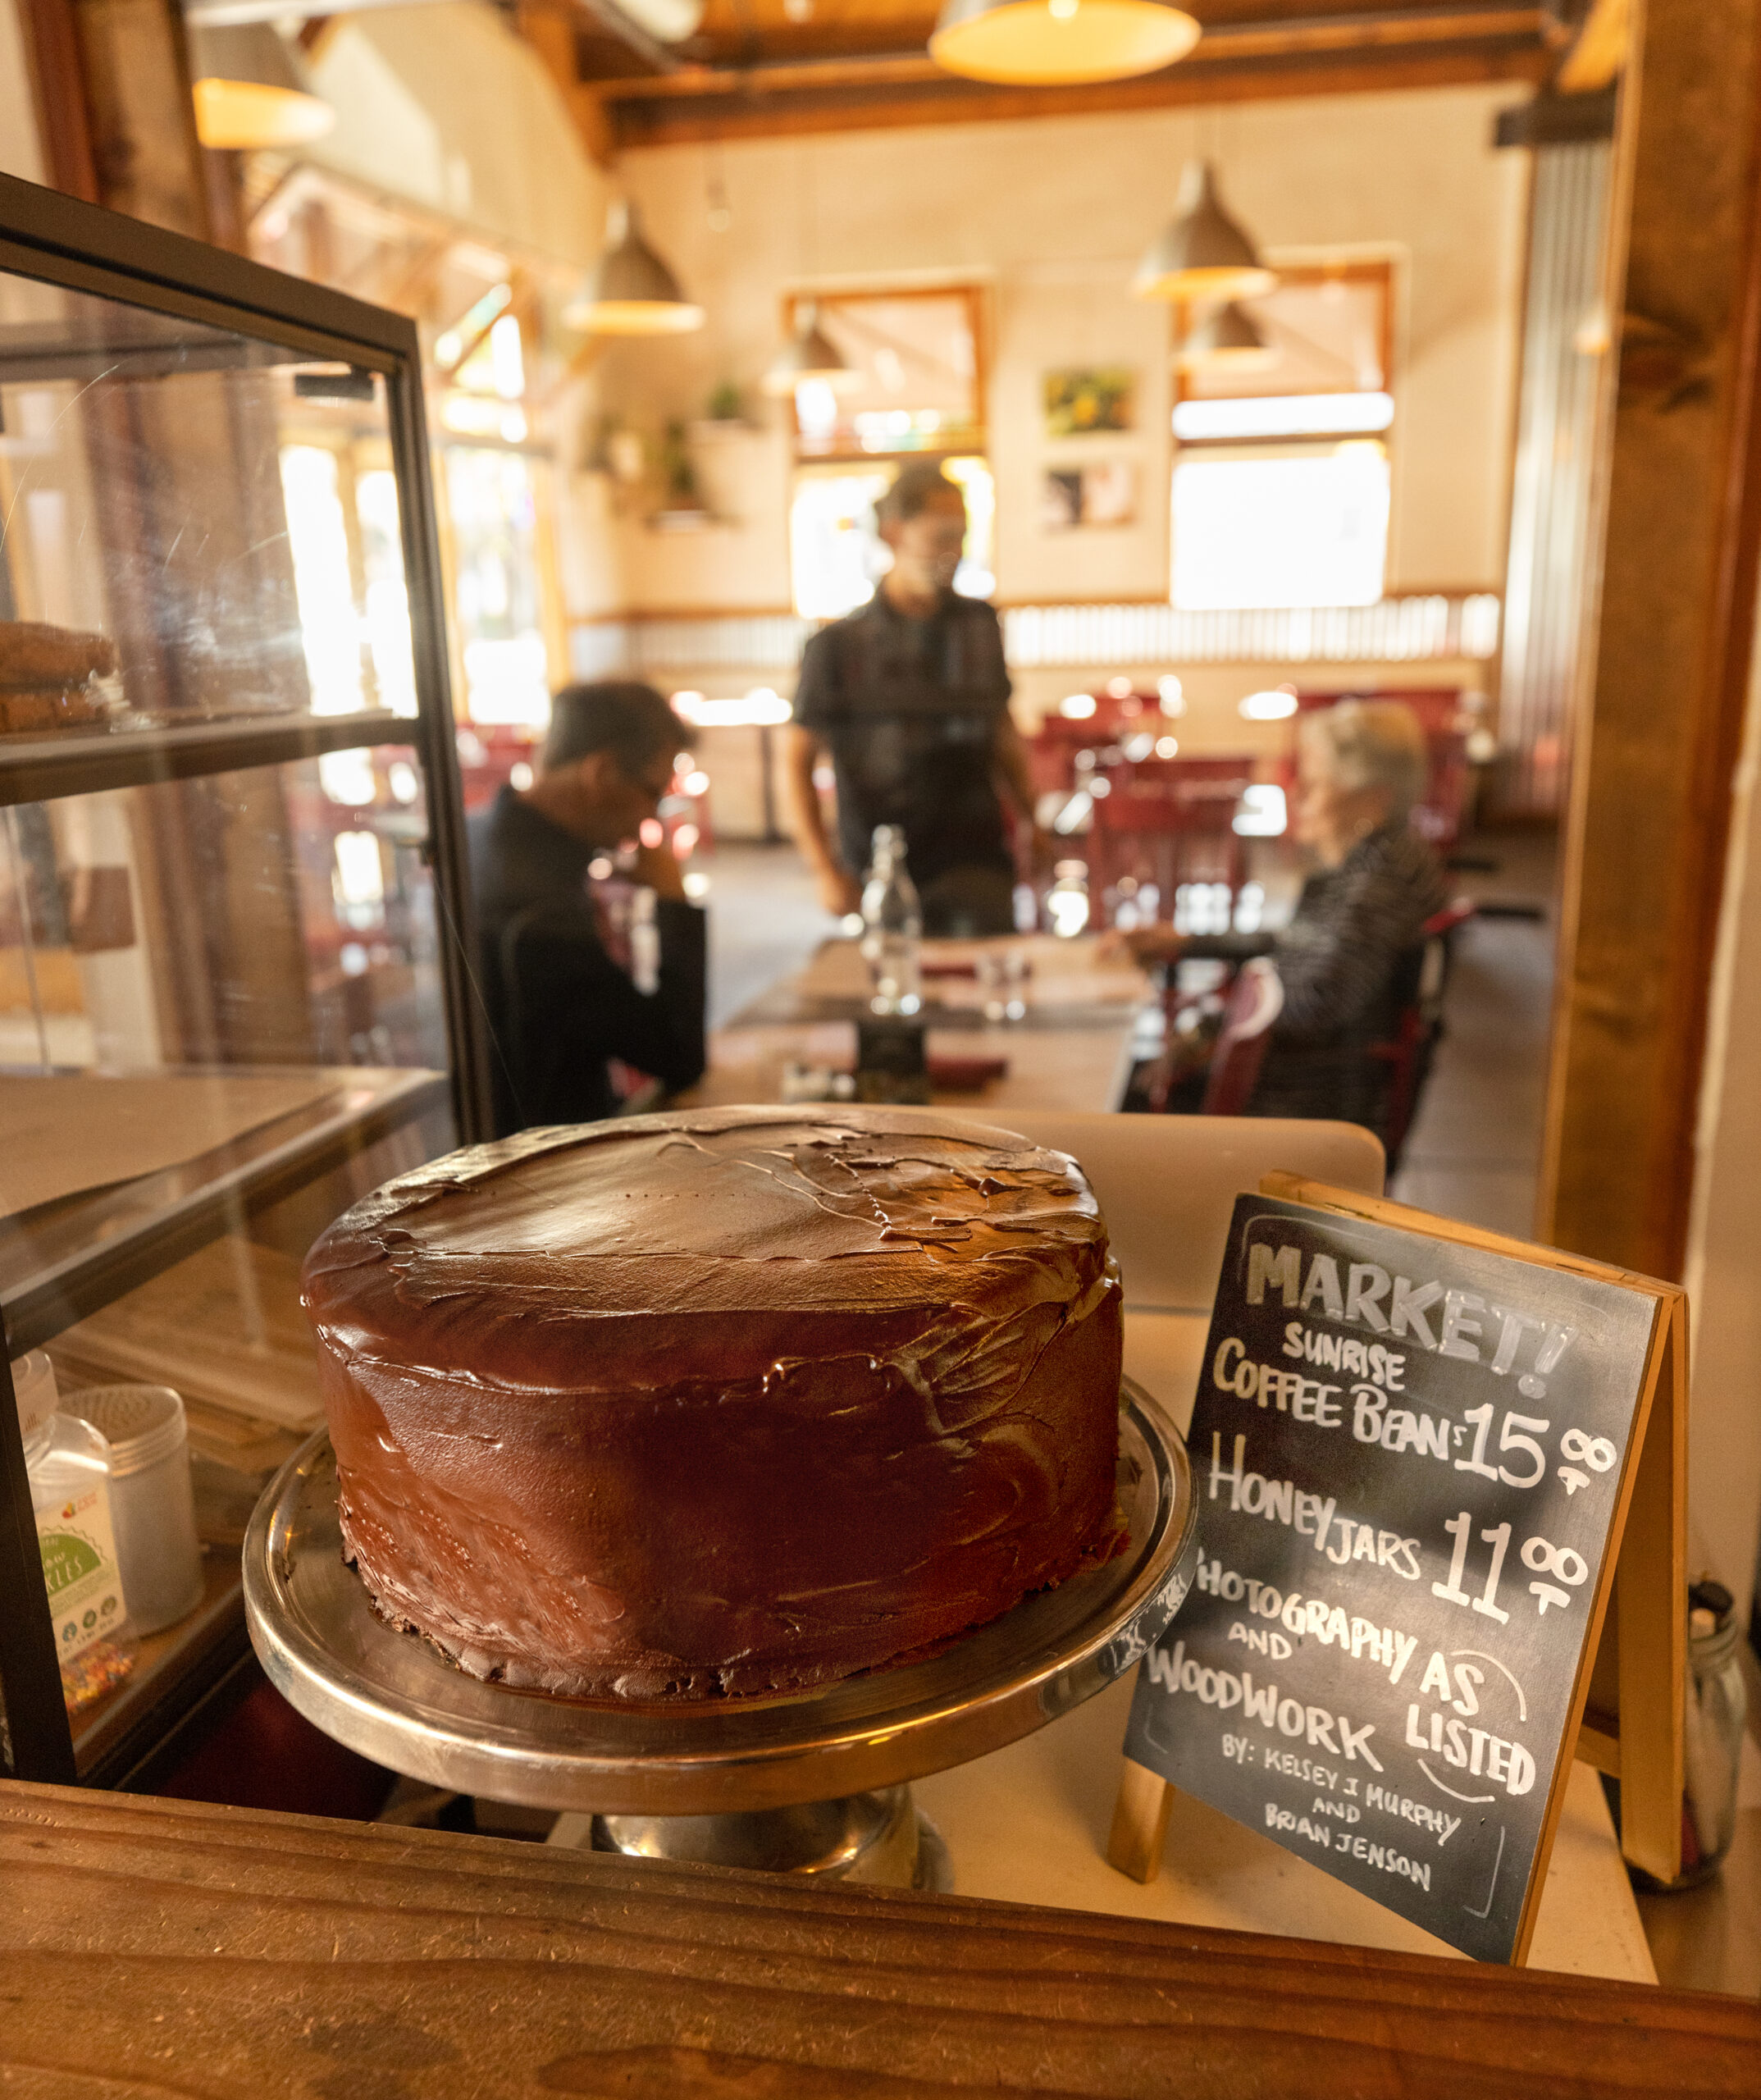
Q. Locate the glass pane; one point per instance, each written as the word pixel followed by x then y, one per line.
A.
pixel 283 915
pixel 182 529
pixel 221 1016
pixel 493 511
pixel 1328 332
pixel 836 557
pixel 1296 529
pixel 911 378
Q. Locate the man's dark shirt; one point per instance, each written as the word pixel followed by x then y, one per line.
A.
pixel 559 1005
pixel 908 710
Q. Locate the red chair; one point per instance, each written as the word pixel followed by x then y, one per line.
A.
pixel 1170 821
pixel 1418 1026
pixel 1256 999
pixel 1245 1014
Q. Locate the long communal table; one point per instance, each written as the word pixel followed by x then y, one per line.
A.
pixel 1071 1049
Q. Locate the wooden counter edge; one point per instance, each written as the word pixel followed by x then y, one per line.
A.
pixel 130 1927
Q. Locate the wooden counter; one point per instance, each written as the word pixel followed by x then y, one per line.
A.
pixel 156 1948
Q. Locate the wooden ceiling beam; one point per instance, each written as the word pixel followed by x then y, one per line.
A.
pixel 676 118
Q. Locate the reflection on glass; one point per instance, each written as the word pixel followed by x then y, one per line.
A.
pixel 494 511
pixel 282 915
pixel 194 524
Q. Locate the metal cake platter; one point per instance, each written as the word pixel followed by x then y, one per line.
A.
pixel 396 1699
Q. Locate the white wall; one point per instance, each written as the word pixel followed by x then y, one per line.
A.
pixel 1724 1242
pixel 1051 214
pixel 21 153
pixel 447 106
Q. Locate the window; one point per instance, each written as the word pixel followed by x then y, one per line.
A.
pixel 1281 478
pixel 916 389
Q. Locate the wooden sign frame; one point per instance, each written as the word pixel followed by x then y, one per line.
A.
pixel 1625 1716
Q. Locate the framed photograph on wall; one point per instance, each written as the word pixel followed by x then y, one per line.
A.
pixel 1100 492
pixel 1090 399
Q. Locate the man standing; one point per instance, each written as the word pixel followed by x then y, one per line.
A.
pixel 909 697
pixel 559 1005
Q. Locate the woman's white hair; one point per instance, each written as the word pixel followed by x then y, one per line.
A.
pixel 1372 743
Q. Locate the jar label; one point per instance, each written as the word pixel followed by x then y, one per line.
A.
pixel 78 1549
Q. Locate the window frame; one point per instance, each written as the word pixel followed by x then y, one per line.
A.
pixel 1380 272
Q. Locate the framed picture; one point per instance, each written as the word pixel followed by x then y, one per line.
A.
pixel 1103 492
pixel 1090 399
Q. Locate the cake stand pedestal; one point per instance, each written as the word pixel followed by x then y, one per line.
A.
pixel 813 1783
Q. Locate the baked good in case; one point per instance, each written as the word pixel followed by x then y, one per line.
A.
pixel 722 1401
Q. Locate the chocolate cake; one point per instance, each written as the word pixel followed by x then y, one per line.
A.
pixel 727 1402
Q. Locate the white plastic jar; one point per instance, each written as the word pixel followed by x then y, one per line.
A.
pixel 151 1505
pixel 65 1461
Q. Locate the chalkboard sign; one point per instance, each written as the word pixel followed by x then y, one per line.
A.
pixel 1413 1457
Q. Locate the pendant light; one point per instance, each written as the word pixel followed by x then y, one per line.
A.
pixel 810 354
pixel 250 90
pixel 1039 42
pixel 1227 340
pixel 630 291
pixel 1202 253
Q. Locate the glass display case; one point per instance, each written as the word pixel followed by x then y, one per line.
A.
pixel 233 928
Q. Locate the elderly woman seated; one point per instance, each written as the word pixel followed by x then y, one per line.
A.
pixel 1360 766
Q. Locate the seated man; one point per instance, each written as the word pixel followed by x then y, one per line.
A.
pixel 559 1005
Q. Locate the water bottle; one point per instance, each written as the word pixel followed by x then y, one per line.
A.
pixel 1067 900
pixel 893 927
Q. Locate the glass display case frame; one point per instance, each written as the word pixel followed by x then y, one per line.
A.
pixel 123 1236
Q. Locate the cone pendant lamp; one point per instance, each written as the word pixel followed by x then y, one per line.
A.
pixel 1229 339
pixel 630 291
pixel 808 353
pixel 1202 253
pixel 1041 42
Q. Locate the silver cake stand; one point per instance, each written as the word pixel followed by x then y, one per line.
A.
pixel 813 1782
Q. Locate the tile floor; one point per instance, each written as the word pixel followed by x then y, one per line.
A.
pixel 1475 1150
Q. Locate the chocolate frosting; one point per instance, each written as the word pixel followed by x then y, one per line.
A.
pixel 727 1401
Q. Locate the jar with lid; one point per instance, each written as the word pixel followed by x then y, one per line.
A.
pixel 1718 1709
pixel 152 1499
pixel 66 1463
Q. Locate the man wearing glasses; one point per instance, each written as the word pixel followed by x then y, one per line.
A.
pixel 559 1005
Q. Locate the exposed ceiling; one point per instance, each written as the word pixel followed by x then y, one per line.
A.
pixel 766 66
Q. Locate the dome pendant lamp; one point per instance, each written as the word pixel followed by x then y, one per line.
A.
pixel 250 91
pixel 630 291
pixel 1036 43
pixel 1202 253
pixel 810 354
pixel 1229 339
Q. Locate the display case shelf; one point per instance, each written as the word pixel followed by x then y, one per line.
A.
pixel 87 761
pixel 102 1244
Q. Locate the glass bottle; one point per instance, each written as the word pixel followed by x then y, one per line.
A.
pixel 66 1463
pixel 893 927
pixel 1067 900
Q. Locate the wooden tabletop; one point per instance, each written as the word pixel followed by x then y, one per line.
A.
pixel 153 1949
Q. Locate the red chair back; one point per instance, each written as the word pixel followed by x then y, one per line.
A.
pixel 1419 1026
pixel 1170 821
pixel 1255 1000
